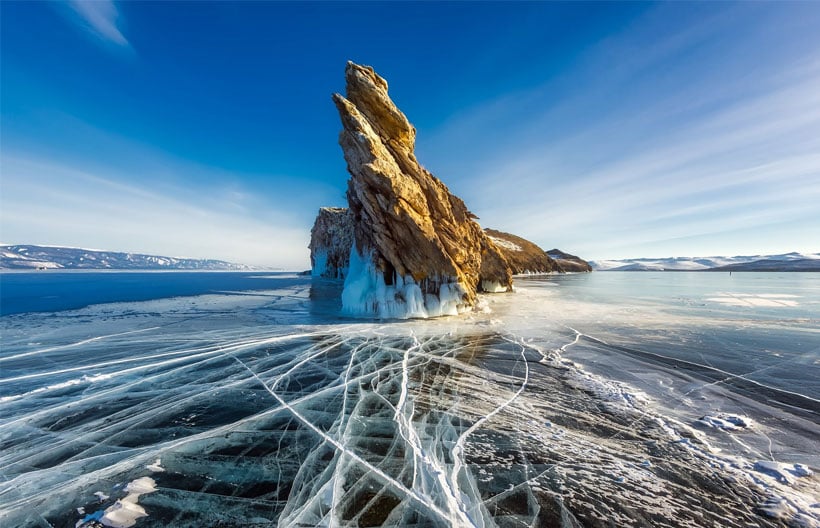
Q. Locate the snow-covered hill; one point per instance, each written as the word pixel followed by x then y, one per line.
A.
pixel 48 257
pixel 785 262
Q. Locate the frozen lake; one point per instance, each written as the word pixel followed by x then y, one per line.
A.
pixel 244 399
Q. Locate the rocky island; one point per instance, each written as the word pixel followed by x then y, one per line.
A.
pixel 405 246
pixel 330 241
pixel 567 263
pixel 523 256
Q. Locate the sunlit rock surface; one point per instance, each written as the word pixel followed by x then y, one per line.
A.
pixel 418 251
pixel 524 256
pixel 406 246
pixel 330 241
pixel 568 263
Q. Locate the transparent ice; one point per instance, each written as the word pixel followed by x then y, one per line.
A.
pixel 551 408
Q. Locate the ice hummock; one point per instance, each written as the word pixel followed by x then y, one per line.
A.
pixel 367 294
pixel 729 422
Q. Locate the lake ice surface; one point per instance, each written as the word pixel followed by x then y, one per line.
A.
pixel 603 399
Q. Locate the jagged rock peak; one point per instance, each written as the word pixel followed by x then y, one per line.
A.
pixel 368 93
pixel 417 252
pixel 330 241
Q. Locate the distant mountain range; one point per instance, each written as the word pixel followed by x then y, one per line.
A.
pixel 48 257
pixel 785 262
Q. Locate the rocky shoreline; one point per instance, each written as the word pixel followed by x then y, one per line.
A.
pixel 406 246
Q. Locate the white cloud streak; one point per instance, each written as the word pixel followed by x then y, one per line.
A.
pixel 59 205
pixel 717 159
pixel 100 17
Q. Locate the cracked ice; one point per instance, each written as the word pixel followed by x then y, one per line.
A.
pixel 323 422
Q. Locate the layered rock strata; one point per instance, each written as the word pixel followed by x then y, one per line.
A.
pixel 522 255
pixel 417 250
pixel 330 241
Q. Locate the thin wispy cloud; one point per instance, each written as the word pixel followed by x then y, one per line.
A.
pixel 101 18
pixel 53 204
pixel 688 150
pixel 675 129
pixel 733 174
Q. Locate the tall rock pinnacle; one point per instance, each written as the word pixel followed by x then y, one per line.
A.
pixel 418 251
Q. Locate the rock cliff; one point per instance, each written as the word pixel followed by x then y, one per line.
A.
pixel 406 246
pixel 522 255
pixel 568 263
pixel 330 241
pixel 417 249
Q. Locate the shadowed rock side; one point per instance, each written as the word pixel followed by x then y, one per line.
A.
pixel 418 251
pixel 569 263
pixel 523 255
pixel 330 242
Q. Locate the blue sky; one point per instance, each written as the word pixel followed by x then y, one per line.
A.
pixel 608 130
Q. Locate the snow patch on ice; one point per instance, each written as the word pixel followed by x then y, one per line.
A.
pixel 729 422
pixel 775 480
pixel 782 472
pixel 620 395
pixel 101 496
pixel 788 510
pixel 125 512
pixel 784 501
pixel 156 467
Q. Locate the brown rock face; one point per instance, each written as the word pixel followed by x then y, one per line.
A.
pixel 523 255
pixel 410 232
pixel 330 241
pixel 569 263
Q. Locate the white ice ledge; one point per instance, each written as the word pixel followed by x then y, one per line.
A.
pixel 489 286
pixel 366 294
